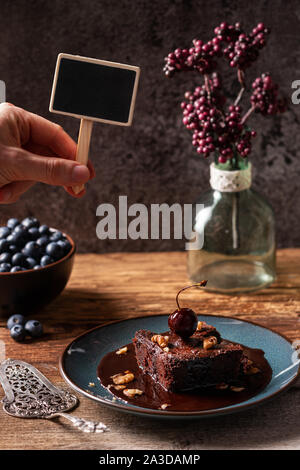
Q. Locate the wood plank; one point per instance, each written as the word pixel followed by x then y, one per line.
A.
pixel 121 285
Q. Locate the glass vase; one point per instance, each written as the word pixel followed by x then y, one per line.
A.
pixel 237 229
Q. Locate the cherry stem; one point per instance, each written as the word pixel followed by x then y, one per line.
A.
pixel 199 284
pixel 248 114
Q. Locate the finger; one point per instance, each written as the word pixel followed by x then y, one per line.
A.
pixel 51 135
pixel 42 150
pixel 11 192
pixel 20 165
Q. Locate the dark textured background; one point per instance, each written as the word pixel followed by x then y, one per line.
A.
pixel 153 161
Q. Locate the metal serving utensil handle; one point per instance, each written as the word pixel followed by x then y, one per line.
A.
pixel 29 394
pixel 82 424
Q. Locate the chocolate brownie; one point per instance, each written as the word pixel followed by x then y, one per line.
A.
pixel 184 364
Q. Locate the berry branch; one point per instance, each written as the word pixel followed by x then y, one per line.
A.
pixel 216 128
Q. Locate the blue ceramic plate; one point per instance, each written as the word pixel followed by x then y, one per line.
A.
pixel 78 363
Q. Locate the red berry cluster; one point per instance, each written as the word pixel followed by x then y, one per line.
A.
pixel 213 128
pixel 265 96
pixel 242 49
pixel 200 57
pixel 216 129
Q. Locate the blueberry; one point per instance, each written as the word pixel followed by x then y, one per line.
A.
pixel 13 249
pixel 18 259
pixel 4 232
pixel 16 268
pixel 65 245
pixel 18 333
pixel 34 328
pixel 30 263
pixel 4 244
pixel 45 260
pixel 33 233
pixel 5 267
pixel 37 266
pixel 44 230
pixel 5 258
pixel 32 250
pixel 19 236
pixel 30 222
pixel 16 319
pixel 12 223
pixel 10 238
pixel 54 250
pixel 20 229
pixel 43 241
pixel 56 235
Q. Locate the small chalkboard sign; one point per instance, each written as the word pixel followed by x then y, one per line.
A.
pixel 93 90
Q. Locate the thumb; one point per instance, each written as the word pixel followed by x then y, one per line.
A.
pixel 51 170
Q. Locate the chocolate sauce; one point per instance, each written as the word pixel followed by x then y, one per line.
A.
pixel 154 396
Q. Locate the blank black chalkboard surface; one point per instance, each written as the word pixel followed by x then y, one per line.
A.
pixel 93 90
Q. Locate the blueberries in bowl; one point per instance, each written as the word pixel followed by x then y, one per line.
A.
pixel 29 245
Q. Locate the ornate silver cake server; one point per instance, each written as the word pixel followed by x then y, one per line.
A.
pixel 29 394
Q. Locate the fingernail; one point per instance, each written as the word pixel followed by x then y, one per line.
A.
pixel 80 174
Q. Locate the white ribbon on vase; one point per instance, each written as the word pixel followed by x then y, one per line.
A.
pixel 230 181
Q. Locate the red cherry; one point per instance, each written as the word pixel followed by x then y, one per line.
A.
pixel 183 322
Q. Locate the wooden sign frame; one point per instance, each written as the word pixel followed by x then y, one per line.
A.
pixel 100 62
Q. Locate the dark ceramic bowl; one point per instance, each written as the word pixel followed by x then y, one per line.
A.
pixel 26 292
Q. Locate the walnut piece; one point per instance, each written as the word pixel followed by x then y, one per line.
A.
pixel 222 386
pixel 209 342
pixel 237 389
pixel 162 341
pixel 164 406
pixel 132 392
pixel 119 387
pixel 122 350
pixel 119 379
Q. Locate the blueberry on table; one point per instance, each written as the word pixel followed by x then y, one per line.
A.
pixel 5 258
pixel 45 260
pixel 5 267
pixel 34 328
pixel 43 241
pixel 4 244
pixel 19 259
pixel 16 319
pixel 54 250
pixel 4 232
pixel 56 235
pixel 30 222
pixel 32 250
pixel 18 333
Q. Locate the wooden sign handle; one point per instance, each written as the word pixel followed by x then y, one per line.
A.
pixel 83 145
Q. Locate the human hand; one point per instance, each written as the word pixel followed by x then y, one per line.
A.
pixel 34 149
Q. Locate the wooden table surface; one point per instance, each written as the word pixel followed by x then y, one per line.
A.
pixel 118 286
